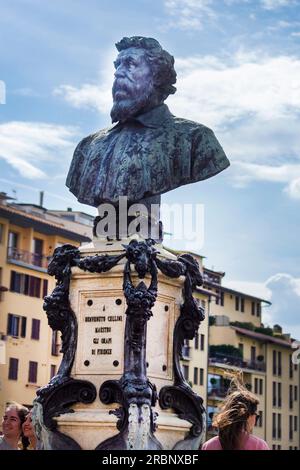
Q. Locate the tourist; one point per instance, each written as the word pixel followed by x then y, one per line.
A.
pixel 235 423
pixel 12 421
pixel 29 439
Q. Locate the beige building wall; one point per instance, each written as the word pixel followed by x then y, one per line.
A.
pixel 25 349
pixel 283 415
pixel 229 307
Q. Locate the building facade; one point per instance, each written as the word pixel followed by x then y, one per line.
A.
pixel 238 341
pixel 29 350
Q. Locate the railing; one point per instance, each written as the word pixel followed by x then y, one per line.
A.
pixel 237 362
pixel 217 392
pixel 33 259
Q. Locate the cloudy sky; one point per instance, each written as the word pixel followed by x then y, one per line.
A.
pixel 238 66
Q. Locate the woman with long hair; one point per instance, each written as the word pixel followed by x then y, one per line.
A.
pixel 29 439
pixel 236 421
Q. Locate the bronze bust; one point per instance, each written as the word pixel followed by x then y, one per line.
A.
pixel 149 151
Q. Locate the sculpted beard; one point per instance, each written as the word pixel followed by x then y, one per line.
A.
pixel 127 101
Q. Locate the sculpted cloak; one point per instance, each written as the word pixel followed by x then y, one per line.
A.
pixel 145 156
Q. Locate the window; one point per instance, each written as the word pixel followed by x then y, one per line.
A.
pixel 218 297
pixel 291 397
pixel 25 284
pixel 13 368
pixel 237 303
pixel 222 299
pixel 32 373
pixel 1 232
pixel 38 251
pixel 279 394
pixel 259 422
pixel 258 387
pixel 195 375
pixel 274 394
pixel 13 239
pixel 45 287
pixel 274 362
pixel 242 304
pixel 258 309
pixel 16 325
pixel 291 367
pixel 290 427
pixel 52 371
pixel 253 308
pixel 295 423
pixel 279 426
pixel 185 372
pixel 202 342
pixel 196 341
pixel 279 363
pixel 54 343
pixel 35 329
pixel 241 348
pixel 295 393
pixel 274 425
pixel 201 382
pixel 253 354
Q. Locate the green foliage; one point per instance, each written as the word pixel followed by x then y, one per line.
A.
pixel 226 349
pixel 249 326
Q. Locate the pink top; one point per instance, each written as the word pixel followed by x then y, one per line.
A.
pixel 251 443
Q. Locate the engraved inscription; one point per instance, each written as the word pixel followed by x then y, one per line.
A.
pixel 100 334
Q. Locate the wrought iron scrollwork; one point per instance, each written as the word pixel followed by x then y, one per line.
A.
pixel 134 392
pixel 187 404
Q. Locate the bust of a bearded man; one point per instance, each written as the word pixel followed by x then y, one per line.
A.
pixel 149 151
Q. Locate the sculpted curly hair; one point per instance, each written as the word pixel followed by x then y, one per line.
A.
pixel 160 61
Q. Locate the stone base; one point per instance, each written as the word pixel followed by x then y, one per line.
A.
pixel 90 427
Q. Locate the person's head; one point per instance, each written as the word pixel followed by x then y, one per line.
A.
pixel 237 416
pixel 28 431
pixel 144 77
pixel 13 418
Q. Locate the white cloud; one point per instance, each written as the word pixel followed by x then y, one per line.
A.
pixel 283 290
pixel 26 146
pixel 189 14
pixel 87 96
pixel 273 4
pixel 251 100
pixel 220 92
pixel 257 289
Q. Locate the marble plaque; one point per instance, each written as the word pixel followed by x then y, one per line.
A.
pixel 160 338
pixel 101 326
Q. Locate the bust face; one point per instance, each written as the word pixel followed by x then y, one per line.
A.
pixel 133 85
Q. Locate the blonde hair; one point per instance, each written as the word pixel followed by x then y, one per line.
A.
pixel 232 420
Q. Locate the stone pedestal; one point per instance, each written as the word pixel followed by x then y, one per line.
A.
pixel 100 364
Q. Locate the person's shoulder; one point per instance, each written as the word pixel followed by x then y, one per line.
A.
pixel 257 443
pixel 212 444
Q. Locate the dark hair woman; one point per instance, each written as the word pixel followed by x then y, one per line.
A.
pixel 235 423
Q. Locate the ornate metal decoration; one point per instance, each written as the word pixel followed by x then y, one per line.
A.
pixel 180 396
pixel 134 392
pixel 58 309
